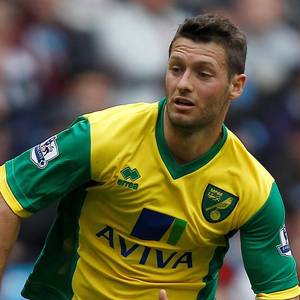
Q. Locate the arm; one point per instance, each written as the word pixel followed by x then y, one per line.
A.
pixel 51 177
pixel 9 229
pixel 267 256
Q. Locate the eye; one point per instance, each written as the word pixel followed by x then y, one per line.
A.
pixel 175 69
pixel 204 75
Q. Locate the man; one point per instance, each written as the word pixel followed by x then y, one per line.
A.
pixel 150 193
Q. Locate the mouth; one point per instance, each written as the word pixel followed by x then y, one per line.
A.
pixel 183 102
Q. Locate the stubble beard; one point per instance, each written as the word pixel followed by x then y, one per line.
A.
pixel 189 125
pixel 184 124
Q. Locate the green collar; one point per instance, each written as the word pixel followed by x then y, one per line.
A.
pixel 178 170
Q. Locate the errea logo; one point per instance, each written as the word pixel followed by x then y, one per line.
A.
pixel 129 176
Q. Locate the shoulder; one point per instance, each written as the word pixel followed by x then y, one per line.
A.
pixel 122 113
pixel 245 160
pixel 117 132
pixel 252 181
pixel 115 126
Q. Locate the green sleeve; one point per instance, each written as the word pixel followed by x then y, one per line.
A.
pixel 52 169
pixel 266 252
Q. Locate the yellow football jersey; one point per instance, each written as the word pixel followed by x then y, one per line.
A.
pixel 131 220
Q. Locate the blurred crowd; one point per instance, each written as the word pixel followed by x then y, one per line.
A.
pixel 62 58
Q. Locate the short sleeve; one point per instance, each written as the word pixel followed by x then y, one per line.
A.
pixel 265 248
pixel 48 171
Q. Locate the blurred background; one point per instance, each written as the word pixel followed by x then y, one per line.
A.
pixel 63 58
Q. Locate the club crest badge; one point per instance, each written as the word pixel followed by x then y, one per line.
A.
pixel 44 152
pixel 217 204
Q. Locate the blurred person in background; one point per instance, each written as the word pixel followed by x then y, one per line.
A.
pixel 59 49
pixel 84 92
pixel 20 89
pixel 274 45
pixel 138 69
pixel 37 54
pixel 84 15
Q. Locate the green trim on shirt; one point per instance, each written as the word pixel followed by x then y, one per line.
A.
pixel 211 279
pixel 53 272
pixel 62 174
pixel 175 169
pixel 261 242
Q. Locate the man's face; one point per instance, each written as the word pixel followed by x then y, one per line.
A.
pixel 197 84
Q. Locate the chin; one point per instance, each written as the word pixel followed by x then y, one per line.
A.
pixel 188 123
pixel 182 122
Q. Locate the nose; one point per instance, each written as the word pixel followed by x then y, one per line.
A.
pixel 184 84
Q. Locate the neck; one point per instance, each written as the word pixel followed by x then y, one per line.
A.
pixel 187 146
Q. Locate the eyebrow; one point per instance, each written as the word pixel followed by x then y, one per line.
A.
pixel 175 58
pixel 197 63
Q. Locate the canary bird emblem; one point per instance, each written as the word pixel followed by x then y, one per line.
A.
pixel 217 204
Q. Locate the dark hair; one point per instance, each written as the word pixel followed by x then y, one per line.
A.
pixel 215 28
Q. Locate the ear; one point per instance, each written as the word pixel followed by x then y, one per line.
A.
pixel 237 86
